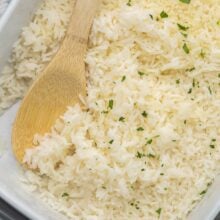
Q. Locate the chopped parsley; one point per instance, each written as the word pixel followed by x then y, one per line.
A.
pixel 210 91
pixel 185 48
pixel 140 155
pixel 158 211
pixel 151 16
pixel 104 112
pixel 110 104
pixel 135 204
pixel 129 3
pixel 144 114
pixel 212 144
pixel 163 14
pixel 202 54
pixel 151 155
pixel 123 78
pixel 140 129
pixel 121 119
pixel 185 1
pixel 141 73
pixel 161 174
pixel 184 121
pixel 181 27
pixel 190 91
pixel 203 192
pixel 103 187
pixel 177 81
pixel 149 141
pixel 219 75
pixel 111 141
pixel 194 83
pixel 184 34
pixel 142 169
pixel 191 69
pixel 209 184
pixel 218 22
pixel 65 194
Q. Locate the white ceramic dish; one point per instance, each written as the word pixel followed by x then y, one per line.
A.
pixel 11 189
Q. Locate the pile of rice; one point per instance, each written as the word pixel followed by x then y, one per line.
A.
pixel 145 143
pixel 38 43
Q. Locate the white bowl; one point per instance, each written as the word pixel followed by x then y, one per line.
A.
pixel 11 189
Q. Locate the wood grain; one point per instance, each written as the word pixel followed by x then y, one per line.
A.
pixel 59 85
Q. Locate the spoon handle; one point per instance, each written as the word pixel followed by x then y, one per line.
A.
pixel 81 22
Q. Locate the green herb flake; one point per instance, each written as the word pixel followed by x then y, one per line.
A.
pixel 144 114
pixel 202 54
pixel 210 90
pixel 190 91
pixel 140 155
pixel 149 141
pixel 161 174
pixel 194 83
pixel 218 22
pixel 212 146
pixel 184 122
pixel 142 169
pixel 110 104
pixel 191 69
pixel 209 184
pixel 65 194
pixel 140 129
pixel 177 81
pixel 104 112
pixel 219 75
pixel 184 35
pixel 185 1
pixel 158 211
pixel 151 16
pixel 163 14
pixel 111 141
pixel 151 155
pixel 213 140
pixel 123 78
pixel 141 73
pixel 181 27
pixel 203 192
pixel 121 119
pixel 186 48
pixel 129 3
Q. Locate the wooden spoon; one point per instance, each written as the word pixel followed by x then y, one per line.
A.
pixel 59 85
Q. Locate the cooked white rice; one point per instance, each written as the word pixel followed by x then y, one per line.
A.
pixel 146 143
pixel 37 44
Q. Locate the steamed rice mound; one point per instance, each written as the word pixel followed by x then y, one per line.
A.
pixel 144 144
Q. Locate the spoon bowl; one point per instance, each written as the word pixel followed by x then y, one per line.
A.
pixel 59 85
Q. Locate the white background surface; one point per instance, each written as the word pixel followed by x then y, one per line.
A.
pixel 3 6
